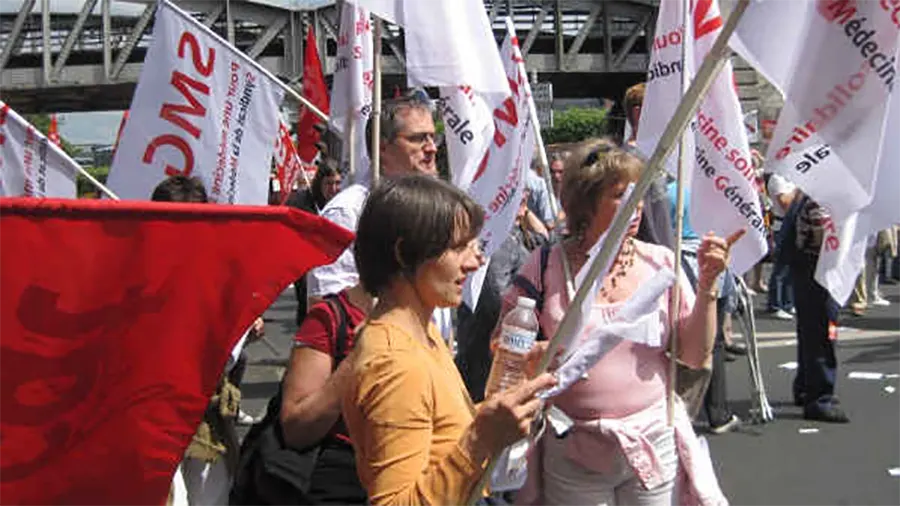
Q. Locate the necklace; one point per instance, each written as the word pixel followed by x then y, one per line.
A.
pixel 623 263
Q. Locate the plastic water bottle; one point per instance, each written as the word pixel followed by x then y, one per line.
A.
pixel 518 333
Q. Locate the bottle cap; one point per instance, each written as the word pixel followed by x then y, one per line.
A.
pixel 525 302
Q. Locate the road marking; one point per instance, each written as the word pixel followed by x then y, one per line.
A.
pixel 781 339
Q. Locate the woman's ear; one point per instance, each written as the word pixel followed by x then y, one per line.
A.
pixel 398 254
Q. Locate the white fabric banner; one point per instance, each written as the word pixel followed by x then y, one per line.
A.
pixel 31 165
pixel 468 131
pixel 835 63
pixel 446 42
pixel 723 196
pixel 351 94
pixel 500 177
pixel 201 108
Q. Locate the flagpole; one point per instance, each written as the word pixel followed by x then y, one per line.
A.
pixel 532 111
pixel 100 186
pixel 281 84
pixel 675 302
pixel 376 101
pixel 687 108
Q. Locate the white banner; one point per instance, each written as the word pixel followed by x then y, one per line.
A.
pixel 723 196
pixel 31 165
pixel 445 42
pixel 500 178
pixel 351 94
pixel 835 61
pixel 201 108
pixel 468 131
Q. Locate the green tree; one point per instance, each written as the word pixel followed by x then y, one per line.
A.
pixel 42 123
pixel 576 124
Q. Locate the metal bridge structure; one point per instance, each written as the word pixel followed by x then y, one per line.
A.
pixel 89 57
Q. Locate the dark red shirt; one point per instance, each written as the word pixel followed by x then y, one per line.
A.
pixel 319 332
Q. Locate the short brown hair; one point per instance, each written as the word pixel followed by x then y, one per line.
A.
pixel 180 188
pixel 585 182
pixel 408 221
pixel 391 121
pixel 634 96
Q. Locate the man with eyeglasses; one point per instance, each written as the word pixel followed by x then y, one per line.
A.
pixel 408 146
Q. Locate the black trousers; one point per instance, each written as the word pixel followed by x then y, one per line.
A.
pixel 715 403
pixel 816 362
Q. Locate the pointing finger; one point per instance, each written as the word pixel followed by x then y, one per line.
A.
pixel 735 237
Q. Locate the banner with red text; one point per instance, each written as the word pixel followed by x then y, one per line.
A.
pixel 723 196
pixel 201 108
pixel 835 61
pixel 468 131
pixel 30 164
pixel 351 94
pixel 499 180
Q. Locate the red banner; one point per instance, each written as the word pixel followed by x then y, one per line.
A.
pixel 116 322
pixel 315 91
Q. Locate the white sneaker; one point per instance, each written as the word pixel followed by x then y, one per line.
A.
pixel 878 300
pixel 243 418
pixel 781 314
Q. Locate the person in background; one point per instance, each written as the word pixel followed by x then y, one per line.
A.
pixel 539 195
pixel 656 225
pixel 325 185
pixel 473 357
pixel 754 277
pixel 781 290
pixel 204 475
pixel 418 438
pixel 817 315
pixel 557 167
pixel 312 389
pixel 866 292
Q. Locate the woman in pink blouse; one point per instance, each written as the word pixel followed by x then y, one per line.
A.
pixel 621 450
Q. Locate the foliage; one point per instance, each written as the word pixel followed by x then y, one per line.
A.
pixel 86 189
pixel 42 123
pixel 576 124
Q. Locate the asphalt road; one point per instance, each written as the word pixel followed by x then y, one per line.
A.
pixel 786 461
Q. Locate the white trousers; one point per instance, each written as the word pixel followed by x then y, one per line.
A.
pixel 567 482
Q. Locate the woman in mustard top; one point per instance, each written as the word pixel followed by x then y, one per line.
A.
pixel 418 437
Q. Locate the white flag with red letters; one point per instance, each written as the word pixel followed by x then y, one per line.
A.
pixel 31 165
pixel 201 108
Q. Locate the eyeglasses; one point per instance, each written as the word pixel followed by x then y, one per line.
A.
pixel 422 138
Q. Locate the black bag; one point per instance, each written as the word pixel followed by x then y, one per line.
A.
pixel 269 471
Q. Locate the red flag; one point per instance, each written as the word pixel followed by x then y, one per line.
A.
pixel 116 322
pixel 119 133
pixel 288 166
pixel 315 91
pixel 53 131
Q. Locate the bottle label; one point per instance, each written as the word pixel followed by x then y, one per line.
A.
pixel 517 340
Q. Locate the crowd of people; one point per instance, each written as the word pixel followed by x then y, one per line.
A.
pixel 383 399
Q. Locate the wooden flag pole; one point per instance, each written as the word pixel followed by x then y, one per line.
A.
pixel 376 101
pixel 675 302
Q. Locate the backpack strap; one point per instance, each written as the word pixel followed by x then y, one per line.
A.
pixel 342 331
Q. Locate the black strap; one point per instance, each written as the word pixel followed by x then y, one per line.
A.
pixel 342 334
